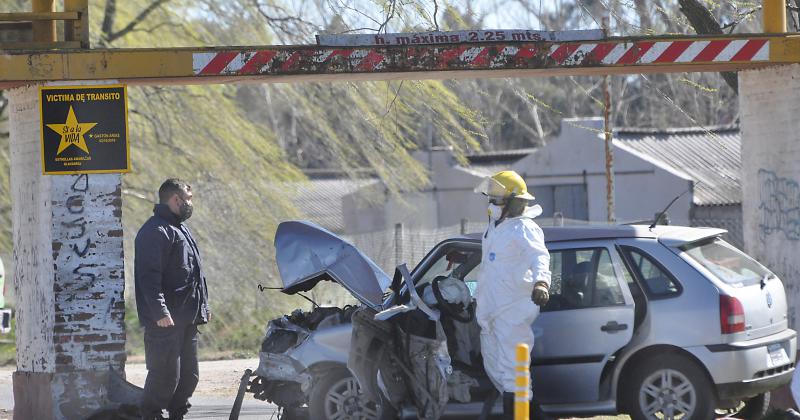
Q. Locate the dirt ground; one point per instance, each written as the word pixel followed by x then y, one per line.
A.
pixel 219 378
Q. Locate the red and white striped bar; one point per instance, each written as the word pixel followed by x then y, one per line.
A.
pixel 511 56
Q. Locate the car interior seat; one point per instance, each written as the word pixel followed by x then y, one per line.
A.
pixel 574 285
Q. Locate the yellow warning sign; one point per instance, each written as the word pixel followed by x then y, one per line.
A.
pixel 84 129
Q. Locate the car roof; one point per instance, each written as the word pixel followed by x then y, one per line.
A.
pixel 668 235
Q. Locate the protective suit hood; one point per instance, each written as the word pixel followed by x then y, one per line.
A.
pixel 533 211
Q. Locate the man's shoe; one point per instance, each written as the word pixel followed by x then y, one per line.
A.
pixel 176 416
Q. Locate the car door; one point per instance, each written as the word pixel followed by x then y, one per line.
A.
pixel 589 317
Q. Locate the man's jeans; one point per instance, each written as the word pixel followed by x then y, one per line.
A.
pixel 172 370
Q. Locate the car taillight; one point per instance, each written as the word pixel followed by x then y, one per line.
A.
pixel 731 314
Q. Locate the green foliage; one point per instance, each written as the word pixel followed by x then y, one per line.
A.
pixel 8 348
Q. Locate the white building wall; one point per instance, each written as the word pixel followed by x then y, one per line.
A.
pixel 449 200
pixel 768 102
pixel 643 187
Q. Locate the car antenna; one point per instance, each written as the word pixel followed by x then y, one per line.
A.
pixel 663 212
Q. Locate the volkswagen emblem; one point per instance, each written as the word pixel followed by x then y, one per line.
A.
pixel 769 300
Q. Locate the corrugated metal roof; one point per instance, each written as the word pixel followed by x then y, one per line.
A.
pixel 489 163
pixel 711 157
pixel 320 200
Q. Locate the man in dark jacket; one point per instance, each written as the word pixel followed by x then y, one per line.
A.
pixel 172 300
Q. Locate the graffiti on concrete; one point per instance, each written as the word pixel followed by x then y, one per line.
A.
pixel 80 243
pixel 788 269
pixel 779 205
pixel 89 280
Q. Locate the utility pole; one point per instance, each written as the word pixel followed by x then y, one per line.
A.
pixel 608 138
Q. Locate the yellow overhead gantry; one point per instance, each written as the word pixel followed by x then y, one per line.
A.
pixel 627 55
pixel 422 60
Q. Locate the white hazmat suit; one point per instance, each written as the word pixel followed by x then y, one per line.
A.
pixel 514 259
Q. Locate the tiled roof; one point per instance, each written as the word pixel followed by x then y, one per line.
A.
pixel 320 199
pixel 711 157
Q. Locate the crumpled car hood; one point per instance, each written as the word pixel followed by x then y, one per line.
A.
pixel 307 254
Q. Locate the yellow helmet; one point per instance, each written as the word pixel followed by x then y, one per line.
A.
pixel 504 184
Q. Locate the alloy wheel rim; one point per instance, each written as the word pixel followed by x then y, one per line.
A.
pixel 667 394
pixel 345 401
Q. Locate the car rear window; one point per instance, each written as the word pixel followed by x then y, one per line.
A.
pixel 727 263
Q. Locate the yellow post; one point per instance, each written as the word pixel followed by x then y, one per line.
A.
pixel 44 31
pixel 774 16
pixel 522 395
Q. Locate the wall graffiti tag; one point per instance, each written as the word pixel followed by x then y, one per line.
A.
pixel 779 205
pixel 79 241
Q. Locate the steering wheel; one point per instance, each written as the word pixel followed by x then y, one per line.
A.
pixel 453 310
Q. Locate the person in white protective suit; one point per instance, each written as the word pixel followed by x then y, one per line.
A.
pixel 514 278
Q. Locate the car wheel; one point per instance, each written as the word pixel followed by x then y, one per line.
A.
pixel 337 395
pixel 669 387
pixel 755 408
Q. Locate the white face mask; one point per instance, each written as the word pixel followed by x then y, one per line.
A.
pixel 495 212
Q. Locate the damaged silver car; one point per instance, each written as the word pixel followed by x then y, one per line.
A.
pixel 656 322
pixel 303 358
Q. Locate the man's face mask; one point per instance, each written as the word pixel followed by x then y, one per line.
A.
pixel 495 212
pixel 185 210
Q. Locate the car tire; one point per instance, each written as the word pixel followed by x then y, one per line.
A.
pixel 755 408
pixel 338 395
pixel 669 384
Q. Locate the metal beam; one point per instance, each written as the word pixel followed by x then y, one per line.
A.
pixel 443 61
pixel 30 17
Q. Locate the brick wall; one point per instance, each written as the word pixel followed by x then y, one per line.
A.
pixel 69 278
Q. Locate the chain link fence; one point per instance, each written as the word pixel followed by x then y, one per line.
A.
pixel 391 247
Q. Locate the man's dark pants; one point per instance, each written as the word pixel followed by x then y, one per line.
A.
pixel 172 369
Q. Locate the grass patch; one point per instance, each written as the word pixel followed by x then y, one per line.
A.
pixel 8 345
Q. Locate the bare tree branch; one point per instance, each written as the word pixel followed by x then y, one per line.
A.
pixel 3 103
pixel 739 18
pixel 109 16
pixel 435 12
pixel 704 23
pixel 389 16
pixel 110 36
pixel 286 24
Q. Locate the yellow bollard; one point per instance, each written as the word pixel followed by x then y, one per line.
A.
pixel 522 395
pixel 774 16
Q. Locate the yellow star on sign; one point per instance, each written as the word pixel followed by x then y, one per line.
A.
pixel 72 132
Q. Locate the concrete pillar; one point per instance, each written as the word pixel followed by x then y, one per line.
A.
pixel 770 174
pixel 68 278
pixel 769 100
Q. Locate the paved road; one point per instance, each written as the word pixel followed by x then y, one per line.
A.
pixel 213 398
